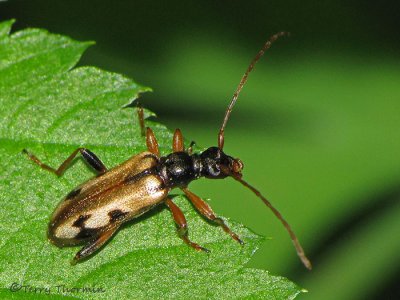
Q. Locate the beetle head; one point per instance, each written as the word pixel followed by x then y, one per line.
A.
pixel 216 164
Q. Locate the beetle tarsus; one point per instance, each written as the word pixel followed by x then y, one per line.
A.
pixel 181 222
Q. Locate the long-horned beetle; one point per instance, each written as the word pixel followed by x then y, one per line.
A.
pixel 93 212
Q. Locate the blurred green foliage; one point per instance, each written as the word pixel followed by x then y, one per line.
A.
pixel 317 125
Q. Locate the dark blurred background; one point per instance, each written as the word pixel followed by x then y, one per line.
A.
pixel 317 125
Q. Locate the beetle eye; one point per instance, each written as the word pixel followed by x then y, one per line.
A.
pixel 237 166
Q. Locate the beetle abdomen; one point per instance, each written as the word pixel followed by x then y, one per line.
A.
pixel 84 218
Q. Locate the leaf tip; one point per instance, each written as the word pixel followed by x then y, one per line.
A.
pixel 5 27
pixel 303 290
pixel 89 43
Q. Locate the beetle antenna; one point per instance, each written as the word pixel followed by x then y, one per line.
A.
pixel 260 53
pixel 299 249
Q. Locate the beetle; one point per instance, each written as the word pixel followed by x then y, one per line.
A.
pixel 93 212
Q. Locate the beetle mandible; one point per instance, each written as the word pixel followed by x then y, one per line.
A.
pixel 93 212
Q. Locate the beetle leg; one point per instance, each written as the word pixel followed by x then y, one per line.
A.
pixel 190 149
pixel 177 141
pixel 94 245
pixel 208 213
pixel 151 142
pixel 180 221
pixel 141 118
pixel 87 155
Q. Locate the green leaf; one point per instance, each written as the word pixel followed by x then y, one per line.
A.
pixel 51 108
